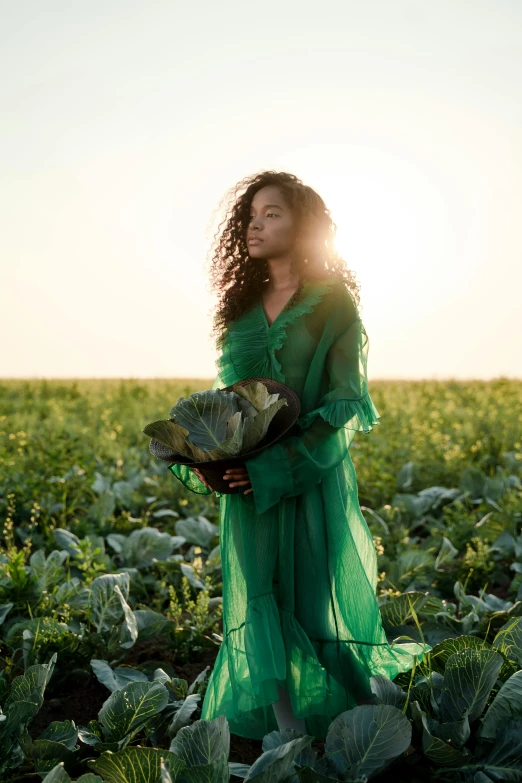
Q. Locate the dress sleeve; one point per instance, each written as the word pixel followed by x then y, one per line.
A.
pixel 189 479
pixel 295 463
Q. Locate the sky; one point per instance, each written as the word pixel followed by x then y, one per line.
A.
pixel 124 123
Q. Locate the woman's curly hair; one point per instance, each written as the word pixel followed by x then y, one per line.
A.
pixel 237 282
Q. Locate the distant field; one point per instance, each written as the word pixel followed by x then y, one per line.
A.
pixel 46 426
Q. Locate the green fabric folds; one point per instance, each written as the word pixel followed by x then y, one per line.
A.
pixel 189 479
pixel 289 467
pixel 299 563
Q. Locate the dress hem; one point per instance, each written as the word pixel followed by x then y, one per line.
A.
pixel 323 677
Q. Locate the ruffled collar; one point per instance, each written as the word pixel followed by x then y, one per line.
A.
pixel 250 344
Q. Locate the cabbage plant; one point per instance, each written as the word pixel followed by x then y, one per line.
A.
pixel 216 424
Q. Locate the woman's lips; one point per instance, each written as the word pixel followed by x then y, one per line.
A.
pixel 254 241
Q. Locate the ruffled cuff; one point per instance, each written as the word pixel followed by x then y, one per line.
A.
pixel 340 411
pixel 270 476
pixel 189 479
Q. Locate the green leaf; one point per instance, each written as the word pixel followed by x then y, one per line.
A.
pixel 4 611
pixel 256 427
pixel 136 765
pixel 443 651
pixel 361 741
pixel 437 689
pixel 118 678
pixel 437 494
pixel 63 731
pixel 101 483
pixel 197 530
pixel 103 509
pixel 457 732
pixel 277 764
pixel 129 628
pixel 145 545
pixel 165 512
pixel 188 570
pixel 45 754
pixel 49 571
pixel 307 775
pixel 280 737
pixel 123 491
pixel 150 623
pixel 508 640
pixel 432 606
pixel 205 416
pixel 416 505
pixel 387 691
pixel 447 553
pixel 505 760
pixel 420 695
pixel 257 395
pixel 507 704
pixel 397 610
pixel 176 685
pixel 91 734
pixel 68 541
pixel 105 605
pixel 494 487
pixel 480 777
pixel 237 769
pixel 28 635
pixel 435 633
pixel 472 481
pixel 405 477
pixel 231 446
pixel 199 684
pixel 128 709
pixel 73 593
pixel 183 715
pixel 204 747
pixel 469 677
pixel 174 437
pixel 166 777
pixel 57 775
pixel 26 697
pixel 439 751
pixel 116 541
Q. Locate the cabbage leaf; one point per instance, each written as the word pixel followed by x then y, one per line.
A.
pixel 216 424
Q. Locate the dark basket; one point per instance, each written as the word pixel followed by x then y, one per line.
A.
pixel 214 470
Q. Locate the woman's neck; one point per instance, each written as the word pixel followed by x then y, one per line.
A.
pixel 281 275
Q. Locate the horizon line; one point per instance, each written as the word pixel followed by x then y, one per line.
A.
pixel 212 378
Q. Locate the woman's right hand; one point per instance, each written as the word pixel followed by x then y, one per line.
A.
pixel 202 478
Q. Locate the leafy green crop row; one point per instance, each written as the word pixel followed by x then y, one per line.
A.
pixel 107 561
pixel 445 709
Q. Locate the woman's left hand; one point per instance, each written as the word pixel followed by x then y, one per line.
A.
pixel 239 477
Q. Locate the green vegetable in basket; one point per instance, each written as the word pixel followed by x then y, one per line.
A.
pixel 215 424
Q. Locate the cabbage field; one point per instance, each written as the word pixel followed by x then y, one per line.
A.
pixel 110 593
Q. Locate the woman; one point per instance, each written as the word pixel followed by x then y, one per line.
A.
pixel 302 631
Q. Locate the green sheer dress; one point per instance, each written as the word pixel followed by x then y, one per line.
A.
pixel 299 563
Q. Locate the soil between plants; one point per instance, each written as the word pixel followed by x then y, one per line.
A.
pixel 81 702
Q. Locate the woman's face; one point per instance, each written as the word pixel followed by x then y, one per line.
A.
pixel 271 223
